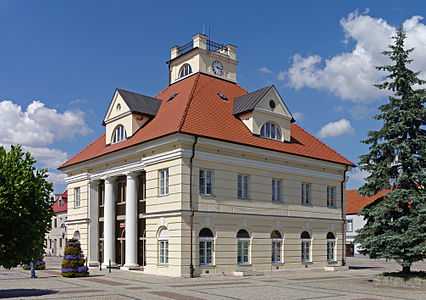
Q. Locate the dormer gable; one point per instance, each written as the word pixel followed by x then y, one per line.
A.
pixel 127 113
pixel 264 113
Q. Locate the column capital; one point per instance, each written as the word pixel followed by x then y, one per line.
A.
pixel 131 175
pixel 110 179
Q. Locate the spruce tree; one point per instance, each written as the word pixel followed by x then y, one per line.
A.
pixel 396 223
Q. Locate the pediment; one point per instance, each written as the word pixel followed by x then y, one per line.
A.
pixel 117 108
pixel 272 103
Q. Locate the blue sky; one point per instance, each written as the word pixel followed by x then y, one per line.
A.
pixel 60 62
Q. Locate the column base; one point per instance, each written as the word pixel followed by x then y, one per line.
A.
pixel 106 265
pixel 130 267
pixel 93 264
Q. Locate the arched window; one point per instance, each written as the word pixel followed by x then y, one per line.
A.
pixel 331 242
pixel 119 134
pixel 276 246
pixel 185 70
pixel 243 243
pixel 76 235
pixel 206 246
pixel 163 241
pixel 306 246
pixel 270 131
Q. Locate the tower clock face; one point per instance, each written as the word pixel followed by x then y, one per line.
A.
pixel 217 67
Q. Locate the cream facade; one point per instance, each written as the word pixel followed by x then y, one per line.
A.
pixel 222 211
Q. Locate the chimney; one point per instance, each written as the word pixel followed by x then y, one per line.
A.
pixel 232 51
pixel 199 41
pixel 174 52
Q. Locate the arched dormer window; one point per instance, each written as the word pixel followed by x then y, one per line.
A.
pixel 270 131
pixel 185 70
pixel 119 134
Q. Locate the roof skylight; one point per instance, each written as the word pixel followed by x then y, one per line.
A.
pixel 222 96
pixel 172 96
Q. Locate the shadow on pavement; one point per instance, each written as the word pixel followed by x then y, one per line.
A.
pixel 24 293
pixel 362 268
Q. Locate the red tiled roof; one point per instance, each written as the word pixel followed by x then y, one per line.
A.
pixel 63 207
pixel 355 202
pixel 197 109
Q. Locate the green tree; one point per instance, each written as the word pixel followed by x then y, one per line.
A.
pixel 25 207
pixel 396 223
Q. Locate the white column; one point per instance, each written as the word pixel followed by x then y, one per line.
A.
pixel 131 222
pixel 109 223
pixel 94 224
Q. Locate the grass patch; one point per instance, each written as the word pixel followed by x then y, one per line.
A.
pixel 406 276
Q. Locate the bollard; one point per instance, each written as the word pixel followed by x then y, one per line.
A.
pixel 109 266
pixel 100 266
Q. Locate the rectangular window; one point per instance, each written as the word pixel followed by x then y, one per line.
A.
pixel 164 252
pixel 243 251
pixel 60 242
pixel 55 223
pixel 276 190
pixel 305 251
pixel 164 182
pixel 330 251
pixel 349 226
pixel 276 251
pixel 77 197
pixel 121 191
pixel 206 182
pixel 331 196
pixel 243 186
pixel 306 193
pixel 206 252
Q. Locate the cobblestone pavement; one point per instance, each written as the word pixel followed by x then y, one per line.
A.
pixel 353 284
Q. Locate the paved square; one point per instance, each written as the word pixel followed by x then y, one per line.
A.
pixel 353 284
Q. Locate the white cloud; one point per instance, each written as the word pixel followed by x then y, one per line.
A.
pixel 265 70
pixel 358 175
pixel 336 128
pixel 281 76
pixel 351 75
pixel 78 101
pixel 56 178
pixel 37 127
pixel 298 116
pixel 360 111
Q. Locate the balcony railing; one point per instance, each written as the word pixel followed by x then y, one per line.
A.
pixel 210 46
pixel 185 48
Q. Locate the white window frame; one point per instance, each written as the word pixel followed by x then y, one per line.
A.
pixel 206 182
pixel 270 131
pixel 351 227
pixel 206 256
pixel 119 134
pixel 243 246
pixel 164 182
pixel 306 249
pixel 331 196
pixel 243 186
pixel 306 193
pixel 185 70
pixel 276 256
pixel 277 190
pixel 163 247
pixel 331 249
pixel 77 197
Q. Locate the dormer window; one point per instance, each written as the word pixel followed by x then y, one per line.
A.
pixel 270 131
pixel 185 70
pixel 119 134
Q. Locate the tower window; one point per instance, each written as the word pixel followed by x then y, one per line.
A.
pixel 185 70
pixel 270 131
pixel 119 134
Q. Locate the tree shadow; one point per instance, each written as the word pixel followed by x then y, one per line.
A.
pixel 11 293
pixel 362 268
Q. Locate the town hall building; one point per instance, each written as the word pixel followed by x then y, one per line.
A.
pixel 206 178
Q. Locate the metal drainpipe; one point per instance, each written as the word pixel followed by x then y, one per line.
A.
pixel 191 266
pixel 343 217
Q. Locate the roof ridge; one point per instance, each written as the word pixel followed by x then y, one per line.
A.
pixel 325 144
pixel 191 96
pixel 63 165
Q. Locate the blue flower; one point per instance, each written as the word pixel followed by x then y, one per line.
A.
pixel 82 269
pixel 69 270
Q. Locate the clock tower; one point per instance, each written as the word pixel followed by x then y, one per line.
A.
pixel 205 56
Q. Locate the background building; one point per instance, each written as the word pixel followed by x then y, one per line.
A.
pixel 56 238
pixel 206 177
pixel 354 203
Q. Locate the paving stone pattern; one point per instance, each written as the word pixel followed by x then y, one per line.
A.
pixel 353 284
